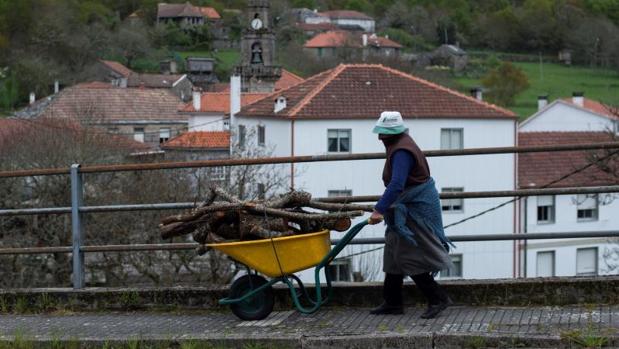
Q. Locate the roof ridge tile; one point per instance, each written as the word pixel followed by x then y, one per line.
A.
pixel 306 100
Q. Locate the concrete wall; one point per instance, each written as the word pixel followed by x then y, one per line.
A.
pixel 366 24
pixel 207 122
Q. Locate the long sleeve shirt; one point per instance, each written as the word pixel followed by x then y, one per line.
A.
pixel 402 162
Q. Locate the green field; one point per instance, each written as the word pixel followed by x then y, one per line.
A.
pixel 559 81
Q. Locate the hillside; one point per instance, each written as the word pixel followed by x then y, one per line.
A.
pixel 559 81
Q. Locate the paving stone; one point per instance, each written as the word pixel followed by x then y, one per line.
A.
pixel 330 327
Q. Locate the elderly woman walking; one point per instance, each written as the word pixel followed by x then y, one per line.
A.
pixel 415 243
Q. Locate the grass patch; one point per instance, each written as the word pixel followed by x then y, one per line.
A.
pixel 558 81
pixel 588 337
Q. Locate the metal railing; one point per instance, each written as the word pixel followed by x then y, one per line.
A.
pixel 77 209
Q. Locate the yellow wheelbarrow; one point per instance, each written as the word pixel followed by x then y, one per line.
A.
pixel 251 296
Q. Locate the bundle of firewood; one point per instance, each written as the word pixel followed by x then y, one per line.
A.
pixel 222 217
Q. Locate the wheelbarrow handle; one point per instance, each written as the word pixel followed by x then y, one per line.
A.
pixel 322 265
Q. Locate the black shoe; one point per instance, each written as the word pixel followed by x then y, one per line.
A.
pixel 435 309
pixel 386 309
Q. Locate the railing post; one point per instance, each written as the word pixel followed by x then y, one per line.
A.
pixel 76 226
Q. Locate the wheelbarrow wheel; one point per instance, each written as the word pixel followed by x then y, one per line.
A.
pixel 256 307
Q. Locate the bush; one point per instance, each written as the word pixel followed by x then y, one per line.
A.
pixel 504 83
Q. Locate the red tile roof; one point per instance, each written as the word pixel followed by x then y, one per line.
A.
pixel 91 103
pixel 199 140
pixel 539 169
pixel 341 38
pixel 597 107
pixel 363 91
pixel 13 131
pixel 177 10
pixel 287 79
pixel 210 12
pixel 118 68
pixel 346 14
pixel 219 102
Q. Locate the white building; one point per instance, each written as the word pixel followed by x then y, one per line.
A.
pixel 334 112
pixel 352 20
pixel 570 121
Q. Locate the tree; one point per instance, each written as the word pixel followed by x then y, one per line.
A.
pixel 504 83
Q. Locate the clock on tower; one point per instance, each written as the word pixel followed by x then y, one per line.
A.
pixel 257 69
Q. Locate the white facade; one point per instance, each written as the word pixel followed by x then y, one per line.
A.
pixel 569 257
pixel 565 219
pixel 564 116
pixel 207 122
pixel 471 173
pixel 366 24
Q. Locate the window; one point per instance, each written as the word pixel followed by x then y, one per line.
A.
pixel 320 52
pixel 546 263
pixel 164 135
pixel 262 191
pixel 587 261
pixel 587 207
pixel 456 271
pixel 138 134
pixel 452 205
pixel 545 209
pixel 340 270
pixel 217 173
pixel 241 135
pixel 338 141
pixel 261 135
pixel 452 138
pixel 337 193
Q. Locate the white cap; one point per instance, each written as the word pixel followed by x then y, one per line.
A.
pixel 390 123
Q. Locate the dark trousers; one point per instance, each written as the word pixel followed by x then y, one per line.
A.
pixel 392 289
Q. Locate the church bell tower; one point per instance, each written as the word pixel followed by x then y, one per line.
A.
pixel 257 69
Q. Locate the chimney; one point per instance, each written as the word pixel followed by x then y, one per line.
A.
pixel 477 93
pixel 196 99
pixel 578 98
pixel 542 102
pixel 32 97
pixel 364 39
pixel 235 97
pixel 56 86
pixel 280 104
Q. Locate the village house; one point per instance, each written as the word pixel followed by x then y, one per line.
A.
pixel 119 75
pixel 333 113
pixel 575 120
pixel 186 15
pixel 345 44
pixel 341 19
pixel 147 115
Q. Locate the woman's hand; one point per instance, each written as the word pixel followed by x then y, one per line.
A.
pixel 375 218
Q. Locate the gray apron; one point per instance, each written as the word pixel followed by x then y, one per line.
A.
pixel 402 257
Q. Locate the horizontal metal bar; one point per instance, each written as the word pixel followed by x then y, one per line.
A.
pixel 498 237
pixel 308 158
pixel 340 199
pixel 141 247
pixel 35 250
pixel 138 207
pixel 360 241
pixel 489 194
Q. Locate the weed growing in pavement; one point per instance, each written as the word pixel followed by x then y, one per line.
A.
pixel 587 337
pixel 21 305
pixel 382 327
pixel 45 302
pixel 130 300
pixel 4 305
pixel 475 342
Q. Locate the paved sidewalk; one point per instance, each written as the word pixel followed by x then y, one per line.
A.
pixel 458 326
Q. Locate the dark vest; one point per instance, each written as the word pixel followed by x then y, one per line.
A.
pixel 420 173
